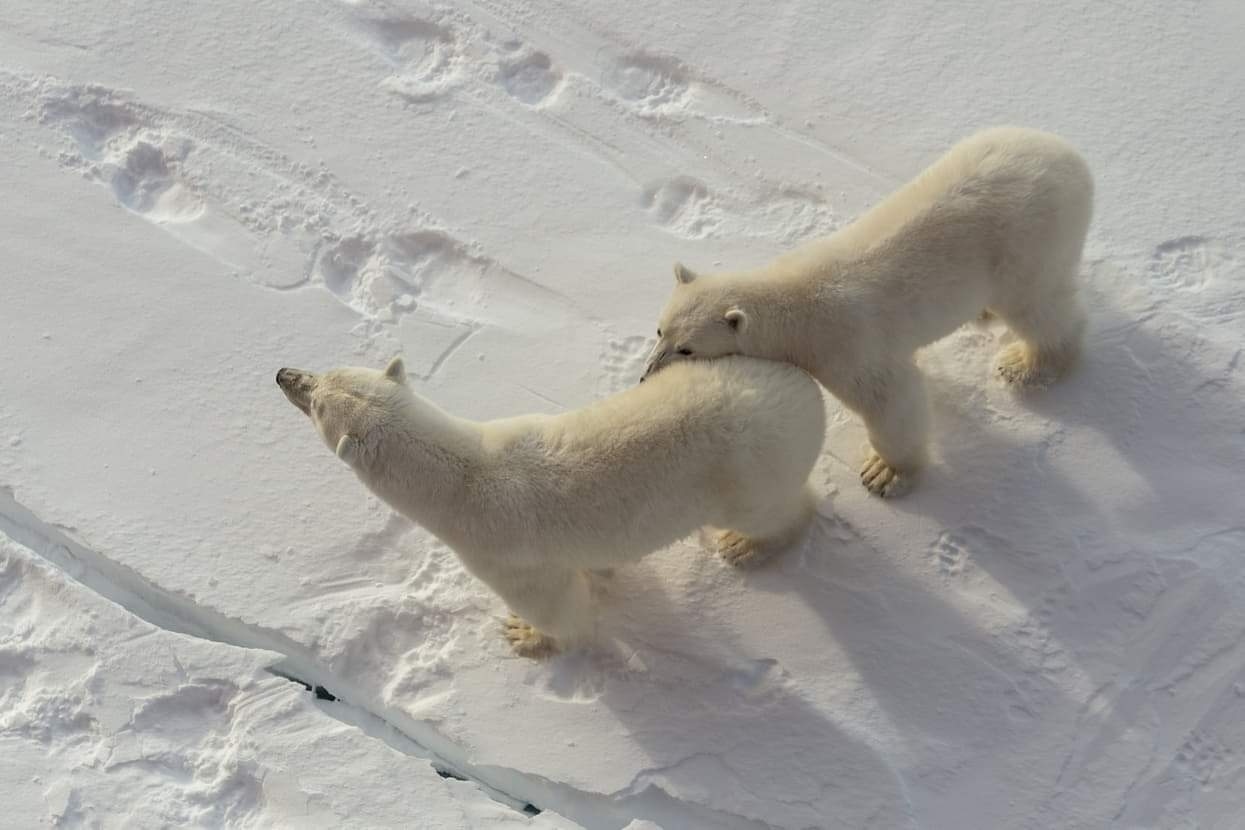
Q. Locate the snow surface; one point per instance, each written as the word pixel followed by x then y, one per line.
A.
pixel 106 720
pixel 1049 632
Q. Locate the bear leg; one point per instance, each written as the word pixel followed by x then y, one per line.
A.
pixel 1049 332
pixel 765 531
pixel 895 410
pixel 552 608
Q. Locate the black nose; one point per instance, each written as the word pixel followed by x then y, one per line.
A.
pixel 282 374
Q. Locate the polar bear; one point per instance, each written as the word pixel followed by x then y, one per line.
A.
pixel 533 504
pixel 996 225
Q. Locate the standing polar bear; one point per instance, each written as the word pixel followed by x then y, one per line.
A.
pixel 532 504
pixel 997 224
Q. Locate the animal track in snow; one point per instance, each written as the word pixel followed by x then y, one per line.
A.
pixel 146 182
pixel 1187 262
pixel 530 78
pixel 1200 269
pixel 1046 655
pixel 381 633
pixel 199 179
pixel 432 56
pixel 182 710
pixel 280 222
pixel 623 361
pixel 574 677
pixel 650 84
pixel 687 207
pixel 952 554
pixel 789 216
pixel 434 289
pixel 426 56
pixel 338 265
pixel 140 162
pixel 1201 756
pixel 682 205
pixel 385 636
pixel 657 86
pixel 393 274
pixel 956 551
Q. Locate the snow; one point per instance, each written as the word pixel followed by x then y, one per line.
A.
pixel 109 721
pixel 1049 632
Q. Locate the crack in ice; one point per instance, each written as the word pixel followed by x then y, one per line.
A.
pixel 337 696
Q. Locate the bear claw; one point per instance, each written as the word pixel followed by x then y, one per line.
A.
pixel 738 550
pixel 526 640
pixel 881 479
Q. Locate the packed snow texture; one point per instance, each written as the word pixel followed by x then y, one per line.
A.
pixel 1048 632
pixel 106 720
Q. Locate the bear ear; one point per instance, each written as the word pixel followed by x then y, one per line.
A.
pixel 682 274
pixel 396 370
pixel 348 449
pixel 736 319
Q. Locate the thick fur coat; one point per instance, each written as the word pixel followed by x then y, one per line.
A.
pixel 996 225
pixel 533 505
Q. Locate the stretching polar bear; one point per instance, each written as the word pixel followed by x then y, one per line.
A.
pixel 997 224
pixel 532 504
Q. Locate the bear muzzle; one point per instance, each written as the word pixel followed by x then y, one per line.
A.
pixel 656 360
pixel 297 386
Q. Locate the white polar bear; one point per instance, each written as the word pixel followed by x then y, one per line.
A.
pixel 997 224
pixel 532 504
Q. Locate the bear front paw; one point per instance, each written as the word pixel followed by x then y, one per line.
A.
pixel 738 550
pixel 1018 367
pixel 526 640
pixel 881 479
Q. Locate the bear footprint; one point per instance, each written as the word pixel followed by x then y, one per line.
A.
pixel 952 554
pixel 531 79
pixel 143 180
pixel 1189 262
pixel 650 84
pixel 624 361
pixel 426 56
pixel 683 206
pixel 1201 756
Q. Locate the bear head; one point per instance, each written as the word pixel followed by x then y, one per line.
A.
pixel 701 320
pixel 345 405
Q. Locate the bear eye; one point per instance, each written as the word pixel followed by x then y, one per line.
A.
pixel 659 332
pixel 685 352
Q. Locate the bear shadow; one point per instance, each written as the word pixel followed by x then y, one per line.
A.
pixel 1001 505
pixel 1142 388
pixel 718 725
pixel 928 665
pixel 1174 432
pixel 941 680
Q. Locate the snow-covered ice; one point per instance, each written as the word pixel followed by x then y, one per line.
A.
pixel 1048 632
pixel 108 721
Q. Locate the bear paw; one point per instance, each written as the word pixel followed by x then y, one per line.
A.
pixel 1019 368
pixel 1016 366
pixel 881 479
pixel 526 640
pixel 739 550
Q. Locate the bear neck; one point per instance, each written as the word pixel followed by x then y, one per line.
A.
pixel 780 303
pixel 422 463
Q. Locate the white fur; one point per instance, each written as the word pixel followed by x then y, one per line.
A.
pixel 997 223
pixel 532 504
